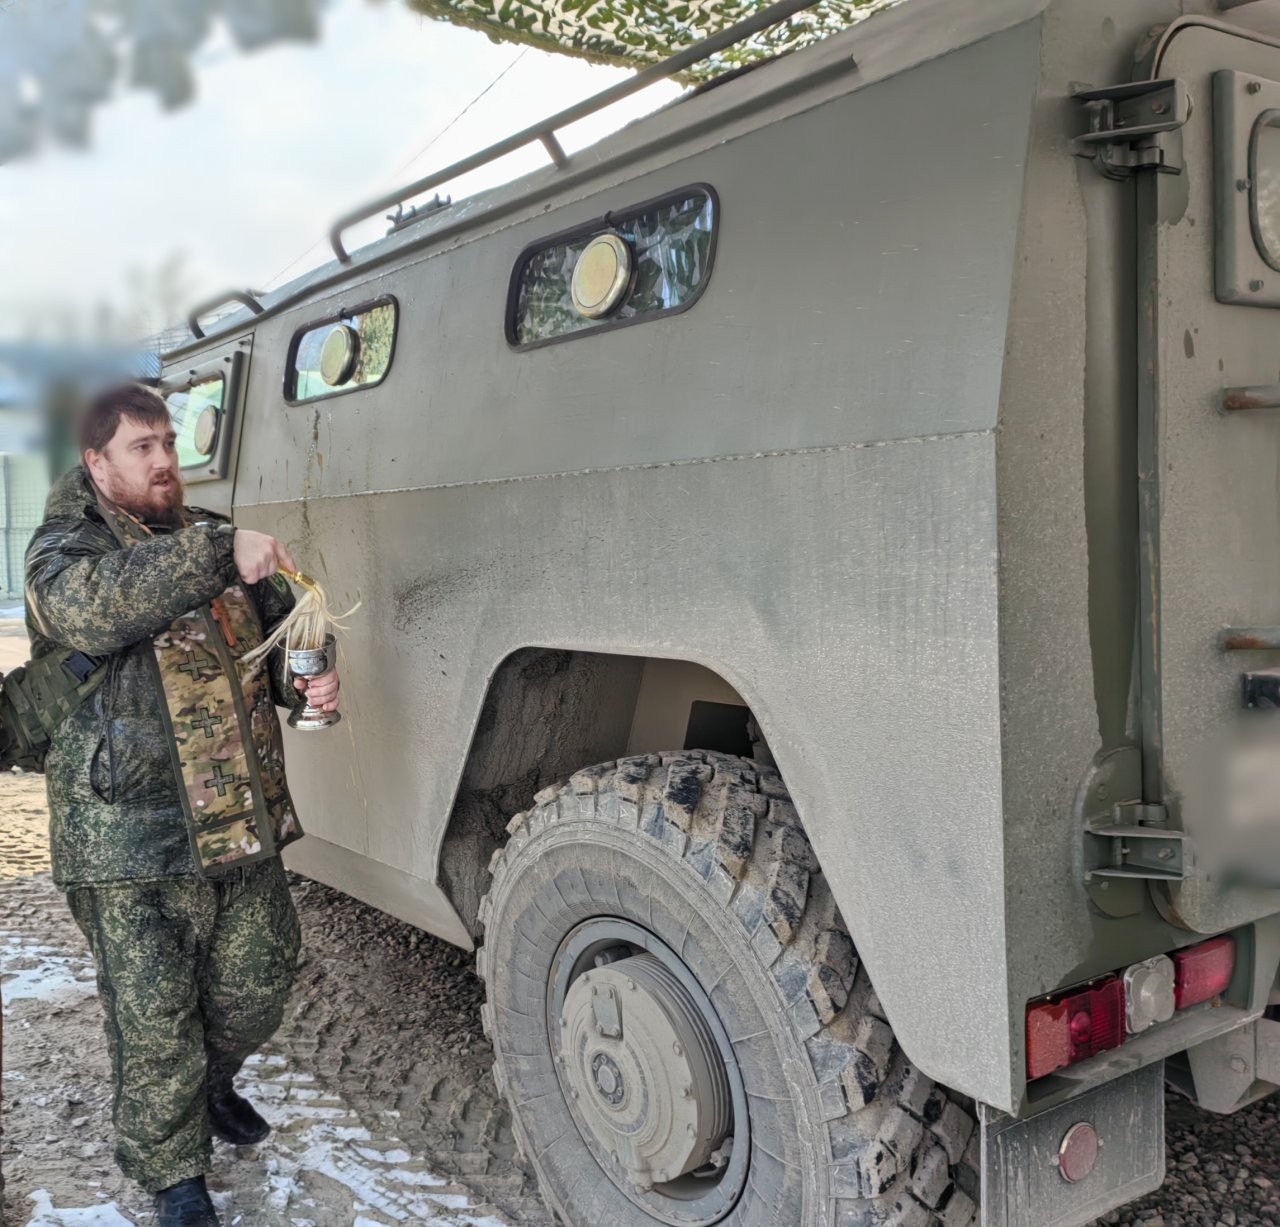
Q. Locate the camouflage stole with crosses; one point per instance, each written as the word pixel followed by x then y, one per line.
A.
pixel 224 733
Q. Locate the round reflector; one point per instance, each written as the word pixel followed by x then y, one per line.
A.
pixel 601 276
pixel 205 434
pixel 1078 1152
pixel 338 355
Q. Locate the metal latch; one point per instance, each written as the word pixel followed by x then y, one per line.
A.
pixel 1134 126
pixel 403 216
pixel 1260 688
pixel 1139 844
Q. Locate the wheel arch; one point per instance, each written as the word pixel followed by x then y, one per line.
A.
pixel 549 711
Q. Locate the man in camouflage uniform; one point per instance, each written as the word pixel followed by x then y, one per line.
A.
pixel 189 919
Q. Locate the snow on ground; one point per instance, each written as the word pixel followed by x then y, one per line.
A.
pixel 315 1140
pixel 30 971
pixel 321 1155
pixel 45 1215
pixel 315 1136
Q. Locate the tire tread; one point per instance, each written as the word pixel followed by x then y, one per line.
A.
pixel 901 1149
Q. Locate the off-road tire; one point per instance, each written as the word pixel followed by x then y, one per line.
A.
pixel 707 852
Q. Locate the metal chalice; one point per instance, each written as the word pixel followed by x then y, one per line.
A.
pixel 309 663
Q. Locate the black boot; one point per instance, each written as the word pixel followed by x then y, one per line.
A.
pixel 234 1119
pixel 185 1204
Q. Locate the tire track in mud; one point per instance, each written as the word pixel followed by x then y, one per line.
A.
pixel 377 1084
pixel 392 1016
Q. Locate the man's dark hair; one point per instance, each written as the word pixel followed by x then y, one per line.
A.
pixel 127 400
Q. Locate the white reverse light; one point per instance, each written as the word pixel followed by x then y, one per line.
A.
pixel 1148 993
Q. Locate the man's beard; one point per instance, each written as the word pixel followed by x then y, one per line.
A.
pixel 155 503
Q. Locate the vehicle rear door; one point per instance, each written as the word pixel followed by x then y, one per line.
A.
pixel 1209 470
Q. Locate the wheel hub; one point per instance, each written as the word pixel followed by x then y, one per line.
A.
pixel 643 1070
pixel 608 1079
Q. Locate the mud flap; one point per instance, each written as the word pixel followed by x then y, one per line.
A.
pixel 1022 1178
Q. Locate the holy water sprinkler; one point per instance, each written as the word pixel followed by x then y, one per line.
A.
pixel 306 634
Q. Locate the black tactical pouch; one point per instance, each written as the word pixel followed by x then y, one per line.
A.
pixel 36 697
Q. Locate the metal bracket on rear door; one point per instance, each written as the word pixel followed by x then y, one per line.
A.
pixel 1134 126
pixel 1138 844
pixel 1127 844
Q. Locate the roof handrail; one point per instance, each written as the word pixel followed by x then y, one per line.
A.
pixel 248 298
pixel 545 131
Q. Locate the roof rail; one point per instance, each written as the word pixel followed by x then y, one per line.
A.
pixel 248 298
pixel 545 132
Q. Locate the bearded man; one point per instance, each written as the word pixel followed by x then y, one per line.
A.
pixel 167 797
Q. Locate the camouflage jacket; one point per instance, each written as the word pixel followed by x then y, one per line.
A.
pixel 115 811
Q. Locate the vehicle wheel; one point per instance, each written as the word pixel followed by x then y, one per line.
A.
pixel 680 1022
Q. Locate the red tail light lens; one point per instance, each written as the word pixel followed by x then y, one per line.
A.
pixel 1070 1026
pixel 1084 1022
pixel 1203 972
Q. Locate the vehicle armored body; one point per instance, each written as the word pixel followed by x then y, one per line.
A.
pixel 818 553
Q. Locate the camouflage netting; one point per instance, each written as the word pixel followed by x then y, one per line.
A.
pixel 636 32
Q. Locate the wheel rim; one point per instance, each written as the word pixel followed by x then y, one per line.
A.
pixel 648 1072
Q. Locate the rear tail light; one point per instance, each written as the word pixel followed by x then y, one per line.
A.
pixel 1081 1022
pixel 1203 972
pixel 1063 1031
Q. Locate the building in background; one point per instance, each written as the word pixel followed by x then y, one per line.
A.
pixel 40 384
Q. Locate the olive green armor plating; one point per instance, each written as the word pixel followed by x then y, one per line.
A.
pixel 849 493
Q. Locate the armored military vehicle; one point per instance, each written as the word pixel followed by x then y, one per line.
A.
pixel 819 552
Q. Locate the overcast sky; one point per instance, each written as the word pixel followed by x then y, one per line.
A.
pixel 244 182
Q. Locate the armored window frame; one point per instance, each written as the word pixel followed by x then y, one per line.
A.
pixel 1246 269
pixel 1268 119
pixel 229 368
pixel 336 317
pixel 611 220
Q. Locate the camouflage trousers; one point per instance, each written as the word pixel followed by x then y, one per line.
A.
pixel 193 975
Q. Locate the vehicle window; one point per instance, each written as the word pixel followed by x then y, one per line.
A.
pixel 342 353
pixel 644 264
pixel 1266 186
pixel 196 412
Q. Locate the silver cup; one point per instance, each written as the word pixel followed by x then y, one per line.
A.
pixel 309 663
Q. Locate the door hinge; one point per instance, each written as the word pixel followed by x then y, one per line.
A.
pixel 1138 843
pixel 1134 126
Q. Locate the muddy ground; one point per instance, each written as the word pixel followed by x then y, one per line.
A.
pixel 377 1084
